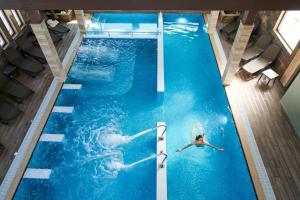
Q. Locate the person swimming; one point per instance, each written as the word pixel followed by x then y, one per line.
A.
pixel 199 140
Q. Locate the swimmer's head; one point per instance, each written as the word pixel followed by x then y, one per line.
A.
pixel 198 137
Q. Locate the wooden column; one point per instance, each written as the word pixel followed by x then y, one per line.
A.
pixel 212 21
pixel 79 14
pixel 42 34
pixel 292 70
pixel 238 47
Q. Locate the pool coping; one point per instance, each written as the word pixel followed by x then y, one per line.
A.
pixel 258 173
pixel 17 168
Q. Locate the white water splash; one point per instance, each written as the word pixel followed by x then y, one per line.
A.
pixel 117 165
pixel 113 140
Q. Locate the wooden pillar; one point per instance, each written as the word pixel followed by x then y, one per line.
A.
pixel 292 70
pixel 42 34
pixel 79 14
pixel 212 21
pixel 238 47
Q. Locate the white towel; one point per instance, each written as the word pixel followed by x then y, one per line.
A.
pixel 52 23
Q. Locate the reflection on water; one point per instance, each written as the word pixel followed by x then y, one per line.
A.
pixel 181 28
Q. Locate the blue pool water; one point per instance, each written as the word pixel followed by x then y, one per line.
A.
pixel 194 93
pixel 118 99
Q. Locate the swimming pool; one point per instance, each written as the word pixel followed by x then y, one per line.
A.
pixel 117 99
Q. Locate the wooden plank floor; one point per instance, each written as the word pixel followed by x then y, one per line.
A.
pixel 277 141
pixel 12 135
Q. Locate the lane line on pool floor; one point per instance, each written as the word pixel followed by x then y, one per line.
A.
pixel 62 109
pixel 71 86
pixel 36 173
pixel 47 137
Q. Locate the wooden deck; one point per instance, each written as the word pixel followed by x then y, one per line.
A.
pixel 277 141
pixel 11 136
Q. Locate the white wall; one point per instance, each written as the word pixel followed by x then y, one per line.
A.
pixel 291 103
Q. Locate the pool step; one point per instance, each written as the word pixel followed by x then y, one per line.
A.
pixel 52 137
pixel 161 172
pixel 35 173
pixel 63 109
pixel 71 86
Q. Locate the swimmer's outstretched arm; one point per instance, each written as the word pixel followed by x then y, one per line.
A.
pixel 210 145
pixel 183 148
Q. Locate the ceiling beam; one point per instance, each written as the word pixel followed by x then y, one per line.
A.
pixel 155 5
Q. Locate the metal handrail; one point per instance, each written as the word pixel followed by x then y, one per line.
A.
pixel 161 137
pixel 162 163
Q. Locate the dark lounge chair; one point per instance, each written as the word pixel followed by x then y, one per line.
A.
pixel 14 89
pixel 31 37
pixel 8 70
pixel 7 113
pixel 28 48
pixel 263 61
pixel 55 37
pixel 26 64
pixel 230 28
pixel 59 28
pixel 258 48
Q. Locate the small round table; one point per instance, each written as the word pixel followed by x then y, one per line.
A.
pixel 270 75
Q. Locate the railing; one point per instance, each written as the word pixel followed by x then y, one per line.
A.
pixel 165 158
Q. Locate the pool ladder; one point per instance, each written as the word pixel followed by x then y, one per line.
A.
pixel 161 137
pixel 161 165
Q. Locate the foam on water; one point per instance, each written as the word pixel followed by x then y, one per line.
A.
pixel 113 140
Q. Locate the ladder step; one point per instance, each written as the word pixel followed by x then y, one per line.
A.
pixel 52 137
pixel 71 86
pixel 35 173
pixel 63 109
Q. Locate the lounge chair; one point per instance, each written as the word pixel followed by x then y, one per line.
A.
pixel 28 48
pixel 55 37
pixel 230 28
pixel 255 50
pixel 55 26
pixel 31 37
pixel 14 89
pixel 26 64
pixel 8 70
pixel 7 113
pixel 264 60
